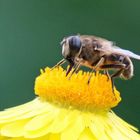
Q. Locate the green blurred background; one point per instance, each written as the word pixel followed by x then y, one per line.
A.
pixel 30 32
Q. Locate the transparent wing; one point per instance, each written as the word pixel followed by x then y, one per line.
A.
pixel 108 48
pixel 126 53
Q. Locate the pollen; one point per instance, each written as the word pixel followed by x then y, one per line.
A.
pixel 54 86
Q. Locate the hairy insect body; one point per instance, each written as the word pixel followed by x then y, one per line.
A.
pixel 98 54
pixel 92 57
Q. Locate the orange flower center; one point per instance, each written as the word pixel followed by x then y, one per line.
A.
pixel 55 87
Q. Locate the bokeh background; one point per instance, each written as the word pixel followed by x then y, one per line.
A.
pixel 30 32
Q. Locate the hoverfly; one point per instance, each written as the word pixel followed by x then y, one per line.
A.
pixel 98 54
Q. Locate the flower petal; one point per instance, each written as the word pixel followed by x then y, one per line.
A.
pixel 15 113
pixel 74 130
pixel 14 129
pixel 62 121
pixel 2 138
pixel 121 129
pixel 54 137
pixel 41 120
pixel 87 135
pixel 39 125
pixel 97 128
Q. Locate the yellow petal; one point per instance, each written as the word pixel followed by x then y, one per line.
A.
pixel 2 138
pixel 74 130
pixel 98 129
pixel 40 121
pixel 87 135
pixel 15 129
pixel 46 137
pixel 121 129
pixel 19 138
pixel 40 125
pixel 63 120
pixel 54 137
pixel 13 113
pixel 25 111
pixel 37 133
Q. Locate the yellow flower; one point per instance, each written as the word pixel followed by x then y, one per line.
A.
pixel 67 110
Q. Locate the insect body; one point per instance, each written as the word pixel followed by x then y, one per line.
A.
pixel 98 54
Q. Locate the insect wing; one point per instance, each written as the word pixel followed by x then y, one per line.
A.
pixel 114 49
pixel 126 53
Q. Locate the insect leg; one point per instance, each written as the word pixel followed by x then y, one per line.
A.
pixel 100 62
pixel 107 74
pixel 69 69
pixel 77 66
pixel 113 66
pixel 89 78
pixel 59 63
pixel 117 74
pixel 121 68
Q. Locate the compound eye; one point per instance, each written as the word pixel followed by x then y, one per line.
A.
pixel 75 42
